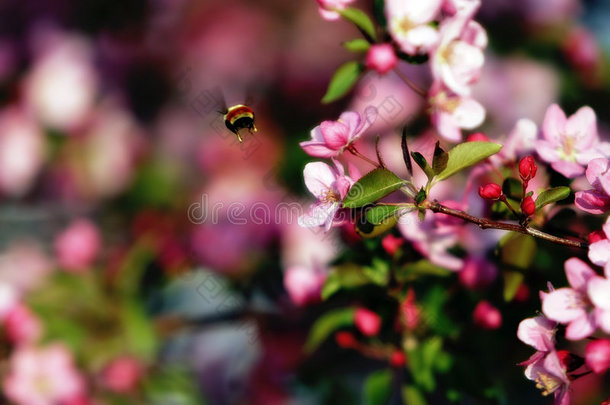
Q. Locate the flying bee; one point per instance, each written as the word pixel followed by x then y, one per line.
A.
pixel 238 117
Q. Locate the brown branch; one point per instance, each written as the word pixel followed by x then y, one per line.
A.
pixel 489 224
pixel 409 83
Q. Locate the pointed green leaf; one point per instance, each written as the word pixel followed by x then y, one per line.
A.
pixel 379 213
pixel 345 276
pixel 342 81
pixel 439 161
pixel 326 325
pixel 357 45
pixel 552 195
pixel 378 388
pixel 371 187
pixel 517 252
pixel 378 272
pixel 513 188
pixel 423 163
pixel 360 20
pixel 467 154
pixel 411 395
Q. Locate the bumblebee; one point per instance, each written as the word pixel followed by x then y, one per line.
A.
pixel 239 117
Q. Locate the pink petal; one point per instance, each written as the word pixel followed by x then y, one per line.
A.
pixel 552 365
pixel 547 151
pixel 599 252
pixel 475 34
pixel 353 122
pixel 336 134
pixel 564 305
pixel 598 290
pixel 537 332
pixel 422 12
pixel 446 126
pixel 318 149
pixel 568 169
pixel 595 169
pixel 554 124
pixel 319 178
pixel 592 201
pixel 602 318
pixel 581 328
pixel 578 273
pixel 582 125
pixel 604 181
pixel 469 114
pixel 422 37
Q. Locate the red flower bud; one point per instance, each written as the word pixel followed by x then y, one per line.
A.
pixel 528 206
pixel 345 339
pixel 596 236
pixel 487 316
pixel 491 191
pixel 597 355
pixel 397 358
pixel 478 136
pixel 527 168
pixel 367 321
pixel 391 243
pixel 570 361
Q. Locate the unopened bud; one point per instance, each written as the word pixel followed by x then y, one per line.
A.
pixel 381 58
pixel 597 355
pixel 478 136
pixel 397 358
pixel 367 321
pixel 528 206
pixel 491 191
pixel 527 168
pixel 345 339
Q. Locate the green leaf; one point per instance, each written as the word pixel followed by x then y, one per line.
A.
pixel 345 276
pixel 423 163
pixel 552 195
pixel 467 154
pixel 360 20
pixel 423 267
pixel 439 161
pixel 378 388
pixel 379 213
pixel 517 252
pixel 371 187
pixel 327 324
pixel 420 197
pixel 513 188
pixel 422 362
pixel 357 45
pixel 342 81
pixel 411 395
pixel 378 272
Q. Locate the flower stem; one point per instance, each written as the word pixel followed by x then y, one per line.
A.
pixel 489 224
pixel 352 149
pixel 409 83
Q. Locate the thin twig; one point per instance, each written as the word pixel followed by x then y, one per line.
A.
pixel 409 83
pixel 352 149
pixel 489 224
pixel 379 158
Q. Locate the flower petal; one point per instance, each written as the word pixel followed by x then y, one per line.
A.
pixel 581 327
pixel 568 169
pixel 554 124
pixel 582 127
pixel 599 292
pixel 599 252
pixel 319 178
pixel 318 149
pixel 547 151
pixel 336 134
pixel 537 332
pixel 578 273
pixel 469 113
pixel 564 305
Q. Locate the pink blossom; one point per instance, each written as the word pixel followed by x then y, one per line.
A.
pixel 327 8
pixel 408 23
pixel 381 58
pixel 451 113
pixel 599 251
pixel 122 374
pixel 330 138
pixel 597 199
pixel 330 186
pixel 43 376
pixel 486 316
pixel 458 58
pixel 477 273
pixel 568 144
pixel 22 151
pixel 22 326
pixel 304 284
pixel 582 307
pixel 521 140
pixel 544 367
pixel 78 246
pixel 367 321
pixel 597 355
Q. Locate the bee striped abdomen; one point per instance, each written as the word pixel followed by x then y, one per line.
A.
pixel 239 117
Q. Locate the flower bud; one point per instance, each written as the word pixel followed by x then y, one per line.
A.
pixel 491 191
pixel 477 273
pixel 345 339
pixel 596 236
pixel 527 168
pixel 528 206
pixel 367 321
pixel 570 361
pixel 122 374
pixel 597 355
pixel 381 58
pixel 477 136
pixel 397 358
pixel 487 316
pixel 391 243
